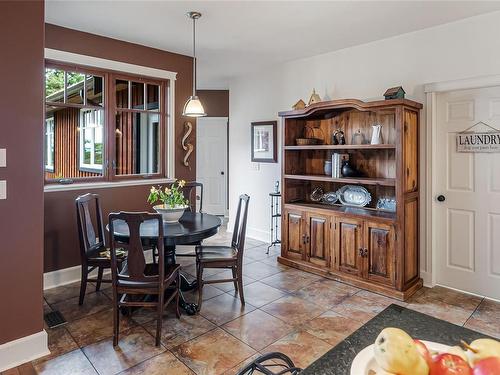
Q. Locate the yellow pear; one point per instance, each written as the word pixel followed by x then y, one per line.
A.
pixel 396 352
pixel 484 348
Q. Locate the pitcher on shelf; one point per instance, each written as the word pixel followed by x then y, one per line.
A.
pixel 376 135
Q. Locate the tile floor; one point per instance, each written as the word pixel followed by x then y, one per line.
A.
pixel 287 310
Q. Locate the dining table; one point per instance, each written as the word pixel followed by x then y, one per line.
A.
pixel 192 227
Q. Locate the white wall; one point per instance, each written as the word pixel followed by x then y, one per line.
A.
pixel 458 50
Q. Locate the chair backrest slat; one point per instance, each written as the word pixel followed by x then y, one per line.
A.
pixel 136 260
pixel 190 191
pixel 88 209
pixel 240 225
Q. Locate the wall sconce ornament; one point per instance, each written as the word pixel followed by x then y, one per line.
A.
pixel 188 147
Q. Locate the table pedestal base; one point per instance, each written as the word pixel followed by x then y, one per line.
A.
pixel 188 307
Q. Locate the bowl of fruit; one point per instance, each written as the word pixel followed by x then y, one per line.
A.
pixel 397 353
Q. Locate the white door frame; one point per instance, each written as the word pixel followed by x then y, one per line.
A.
pixel 226 175
pixel 431 91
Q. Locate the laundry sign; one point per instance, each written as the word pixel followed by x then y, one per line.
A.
pixel 470 141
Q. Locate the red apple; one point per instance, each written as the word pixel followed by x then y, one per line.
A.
pixel 487 366
pixel 450 364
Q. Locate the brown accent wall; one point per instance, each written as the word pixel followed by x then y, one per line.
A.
pixel 215 102
pixel 21 133
pixel 61 238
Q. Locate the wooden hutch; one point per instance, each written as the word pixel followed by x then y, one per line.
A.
pixel 364 246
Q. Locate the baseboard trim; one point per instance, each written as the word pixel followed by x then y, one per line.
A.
pixel 25 349
pixel 65 276
pixel 258 234
pixel 427 279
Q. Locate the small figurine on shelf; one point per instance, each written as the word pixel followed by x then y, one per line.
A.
pixel 358 138
pixel 315 98
pixel 338 137
pixel 299 105
pixel 277 187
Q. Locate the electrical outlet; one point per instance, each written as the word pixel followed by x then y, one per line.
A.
pixel 3 157
pixel 3 189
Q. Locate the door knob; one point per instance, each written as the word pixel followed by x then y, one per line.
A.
pixel 441 198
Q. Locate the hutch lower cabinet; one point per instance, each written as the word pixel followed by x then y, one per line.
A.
pixel 367 246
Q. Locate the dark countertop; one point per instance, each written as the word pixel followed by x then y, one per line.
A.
pixel 419 326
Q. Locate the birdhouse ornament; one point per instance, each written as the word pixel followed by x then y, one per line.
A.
pixel 315 98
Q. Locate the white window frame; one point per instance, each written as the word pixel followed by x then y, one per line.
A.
pixel 99 123
pixel 49 140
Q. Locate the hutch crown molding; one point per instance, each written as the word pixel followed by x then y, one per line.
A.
pixel 364 246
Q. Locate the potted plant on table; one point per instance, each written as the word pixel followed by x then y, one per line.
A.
pixel 173 201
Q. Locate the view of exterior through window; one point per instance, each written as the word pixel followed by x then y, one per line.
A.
pixel 102 126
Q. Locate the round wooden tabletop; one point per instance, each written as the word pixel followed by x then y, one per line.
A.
pixel 192 227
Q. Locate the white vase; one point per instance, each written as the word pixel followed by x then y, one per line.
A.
pixel 170 214
pixel 376 135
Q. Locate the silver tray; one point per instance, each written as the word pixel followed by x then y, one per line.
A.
pixel 330 198
pixel 351 195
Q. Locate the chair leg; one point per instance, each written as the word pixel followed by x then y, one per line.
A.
pixel 99 279
pixel 233 269
pixel 177 287
pixel 200 285
pixel 116 320
pixel 240 286
pixel 83 283
pixel 159 318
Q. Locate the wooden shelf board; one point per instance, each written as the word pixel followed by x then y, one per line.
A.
pixel 348 210
pixel 341 147
pixel 347 180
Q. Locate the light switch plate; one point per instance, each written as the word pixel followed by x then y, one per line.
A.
pixel 255 166
pixel 3 157
pixel 3 189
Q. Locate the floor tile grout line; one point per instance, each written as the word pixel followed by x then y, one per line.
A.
pixel 181 359
pixel 477 307
pixel 247 344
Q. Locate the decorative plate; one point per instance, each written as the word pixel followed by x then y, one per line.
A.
pixel 316 194
pixel 364 363
pixel 386 204
pixel 330 198
pixel 351 195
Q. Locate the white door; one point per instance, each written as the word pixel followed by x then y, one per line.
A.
pixel 211 162
pixel 467 195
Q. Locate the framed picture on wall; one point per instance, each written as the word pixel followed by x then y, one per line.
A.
pixel 264 142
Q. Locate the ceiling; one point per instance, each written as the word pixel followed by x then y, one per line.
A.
pixel 235 37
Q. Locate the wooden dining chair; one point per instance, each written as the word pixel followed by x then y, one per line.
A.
pixel 138 277
pixel 228 257
pixel 92 242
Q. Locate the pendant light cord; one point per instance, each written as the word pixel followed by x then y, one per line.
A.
pixel 194 56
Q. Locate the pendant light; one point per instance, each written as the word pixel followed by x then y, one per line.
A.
pixel 193 106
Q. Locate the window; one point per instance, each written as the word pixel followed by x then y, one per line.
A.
pixel 138 132
pixel 91 140
pixel 49 144
pixel 109 126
